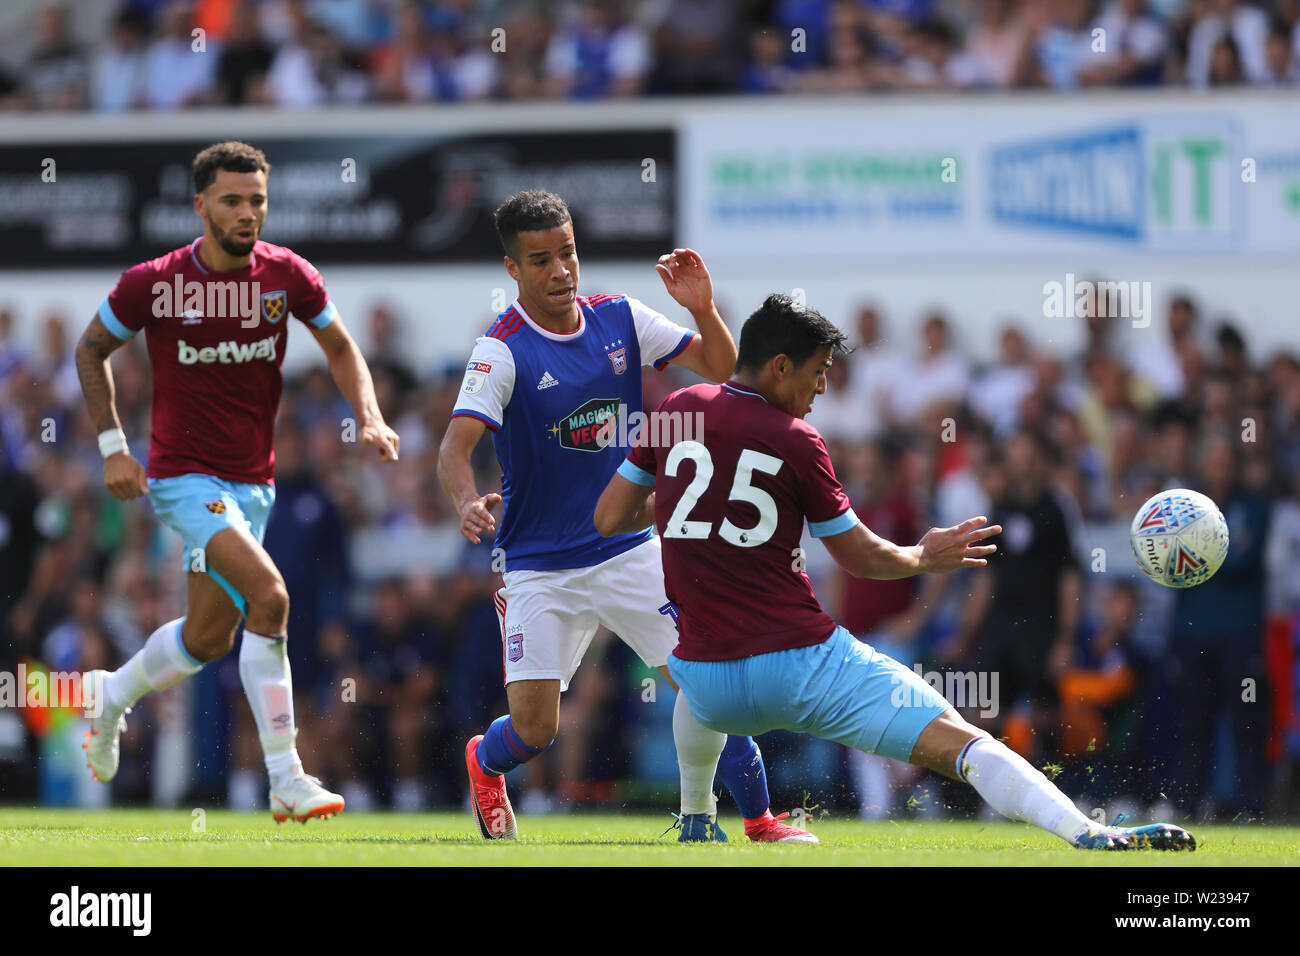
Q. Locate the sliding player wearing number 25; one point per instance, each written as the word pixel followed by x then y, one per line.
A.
pixel 756 651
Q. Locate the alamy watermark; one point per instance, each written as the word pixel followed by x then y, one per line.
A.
pixel 602 423
pixel 37 688
pixel 1117 300
pixel 194 301
pixel 75 908
pixel 962 689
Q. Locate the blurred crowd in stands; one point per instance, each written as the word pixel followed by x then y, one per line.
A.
pixel 146 54
pixel 1136 695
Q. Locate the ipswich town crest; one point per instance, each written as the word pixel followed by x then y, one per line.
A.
pixel 618 358
pixel 515 646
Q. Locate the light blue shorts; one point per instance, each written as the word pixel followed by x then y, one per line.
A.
pixel 197 506
pixel 841 690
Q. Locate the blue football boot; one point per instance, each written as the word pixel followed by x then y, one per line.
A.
pixel 697 828
pixel 1153 836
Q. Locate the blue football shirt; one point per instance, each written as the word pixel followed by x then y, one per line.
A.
pixel 550 400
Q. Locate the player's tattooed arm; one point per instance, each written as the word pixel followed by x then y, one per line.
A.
pixel 96 345
pixel 123 475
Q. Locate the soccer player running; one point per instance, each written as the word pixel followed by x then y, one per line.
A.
pixel 214 316
pixel 548 379
pixel 757 651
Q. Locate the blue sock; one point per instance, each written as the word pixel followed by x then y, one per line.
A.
pixel 502 749
pixel 741 770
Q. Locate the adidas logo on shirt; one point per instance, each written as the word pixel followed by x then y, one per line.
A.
pixel 547 380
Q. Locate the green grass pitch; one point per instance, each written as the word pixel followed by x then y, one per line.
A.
pixel 225 838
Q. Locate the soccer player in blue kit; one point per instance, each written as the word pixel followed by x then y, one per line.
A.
pixel 757 650
pixel 548 379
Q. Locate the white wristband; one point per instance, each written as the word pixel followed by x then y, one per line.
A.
pixel 112 441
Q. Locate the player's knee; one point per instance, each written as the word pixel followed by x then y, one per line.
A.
pixel 537 732
pixel 208 641
pixel 270 602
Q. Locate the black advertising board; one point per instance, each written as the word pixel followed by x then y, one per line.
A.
pixel 384 199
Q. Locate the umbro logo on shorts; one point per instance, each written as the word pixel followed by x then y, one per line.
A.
pixel 546 381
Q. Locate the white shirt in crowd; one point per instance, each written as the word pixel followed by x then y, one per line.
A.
pixel 922 382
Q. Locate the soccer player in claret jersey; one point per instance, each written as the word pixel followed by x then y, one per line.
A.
pixel 757 651
pixel 549 379
pixel 215 316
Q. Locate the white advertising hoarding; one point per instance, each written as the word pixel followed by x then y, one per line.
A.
pixel 956 180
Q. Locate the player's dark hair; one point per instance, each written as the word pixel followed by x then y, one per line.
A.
pixel 533 210
pixel 232 156
pixel 782 326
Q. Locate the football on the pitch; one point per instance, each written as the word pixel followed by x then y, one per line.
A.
pixel 1180 538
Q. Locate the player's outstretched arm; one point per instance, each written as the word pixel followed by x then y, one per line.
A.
pixel 712 353
pixel 123 475
pixel 352 375
pixel 457 477
pixel 865 554
pixel 624 506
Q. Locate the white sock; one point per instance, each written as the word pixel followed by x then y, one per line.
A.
pixel 264 672
pixel 1013 787
pixel 698 750
pixel 162 662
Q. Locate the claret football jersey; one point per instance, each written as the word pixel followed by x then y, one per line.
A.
pixel 216 343
pixel 730 508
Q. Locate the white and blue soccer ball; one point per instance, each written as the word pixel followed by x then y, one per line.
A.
pixel 1180 538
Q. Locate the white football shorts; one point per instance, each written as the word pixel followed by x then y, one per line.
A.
pixel 548 618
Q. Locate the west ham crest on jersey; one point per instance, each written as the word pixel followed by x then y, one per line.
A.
pixel 273 304
pixel 618 358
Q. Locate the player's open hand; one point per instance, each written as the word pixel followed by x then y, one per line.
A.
pixel 476 516
pixel 382 437
pixel 947 549
pixel 124 477
pixel 686 279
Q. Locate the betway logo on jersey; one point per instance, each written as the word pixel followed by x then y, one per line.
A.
pixel 227 353
pixel 584 428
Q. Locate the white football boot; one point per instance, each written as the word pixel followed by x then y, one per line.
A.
pixel 302 797
pixel 104 738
